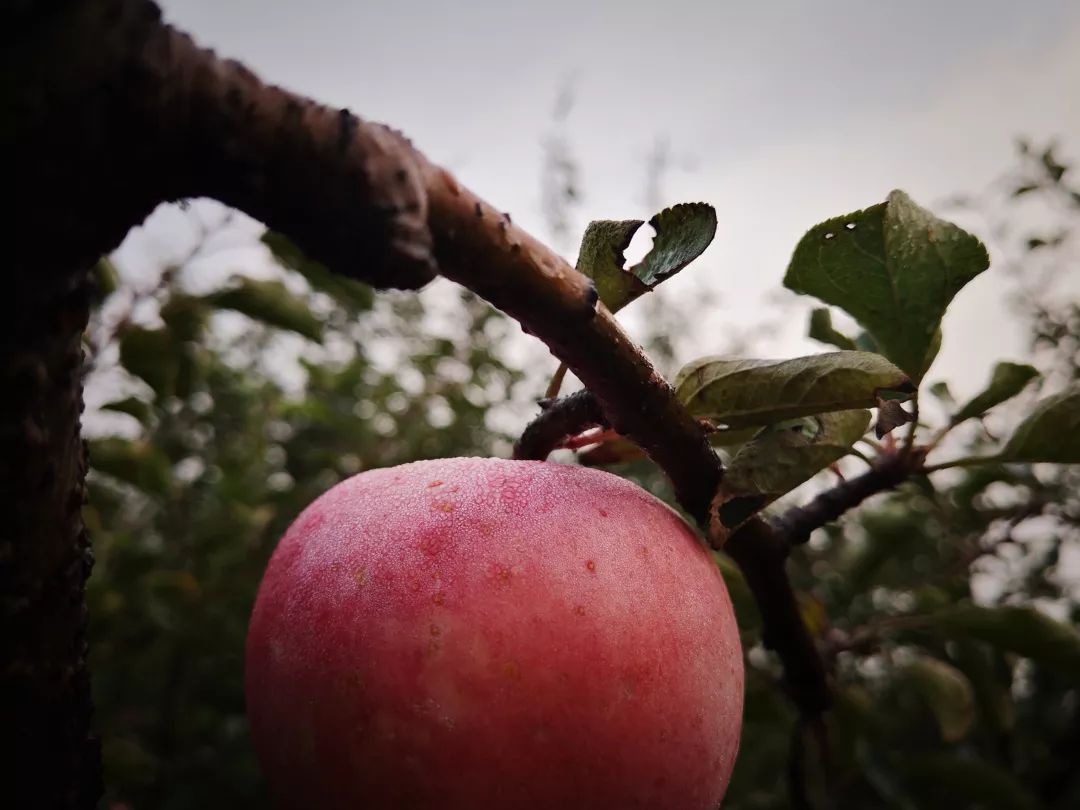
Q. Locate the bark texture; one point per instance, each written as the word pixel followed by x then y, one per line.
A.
pixel 52 760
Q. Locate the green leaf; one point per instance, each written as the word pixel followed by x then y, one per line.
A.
pixel 947 692
pixel 894 267
pixel 743 392
pixel 601 259
pixel 782 456
pixel 944 779
pixel 940 391
pixel 106 278
pixel 682 234
pixel 992 695
pixel 351 294
pixel 132 406
pixel 821 329
pixel 1006 382
pixel 747 613
pixel 151 354
pixel 1021 630
pixel 138 463
pixel 271 303
pixel 1051 432
pixel 185 315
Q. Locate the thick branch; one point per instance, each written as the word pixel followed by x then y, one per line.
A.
pixel 480 248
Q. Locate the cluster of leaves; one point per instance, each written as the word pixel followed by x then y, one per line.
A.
pixel 218 450
pixel 943 699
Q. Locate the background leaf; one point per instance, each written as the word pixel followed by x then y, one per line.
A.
pixel 821 328
pixel 1021 630
pixel 743 392
pixel 271 303
pixel 1007 380
pixel 894 267
pixel 950 780
pixel 137 463
pixel 152 355
pixel 1051 432
pixel 782 456
pixel 354 295
pixel 947 692
pixel 132 406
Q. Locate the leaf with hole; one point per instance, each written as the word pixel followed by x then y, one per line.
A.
pixel 1051 432
pixel 894 267
pixel 1007 380
pixel 744 392
pixel 682 234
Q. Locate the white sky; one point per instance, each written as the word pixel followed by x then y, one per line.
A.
pixel 781 114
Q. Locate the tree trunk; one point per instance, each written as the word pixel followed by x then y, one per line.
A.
pixel 45 557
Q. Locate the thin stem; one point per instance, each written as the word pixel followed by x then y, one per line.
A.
pixel 965 461
pixel 913 425
pixel 556 382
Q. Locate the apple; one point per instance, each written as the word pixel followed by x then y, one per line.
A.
pixel 484 634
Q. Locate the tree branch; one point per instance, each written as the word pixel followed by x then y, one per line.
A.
pixel 558 420
pixel 799 522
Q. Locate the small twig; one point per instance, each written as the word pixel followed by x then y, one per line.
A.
pixel 799 522
pixel 966 461
pixel 589 438
pixel 556 382
pixel 559 420
pixel 913 425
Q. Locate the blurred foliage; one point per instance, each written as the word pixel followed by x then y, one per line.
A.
pixel 942 702
pixel 945 610
pixel 222 442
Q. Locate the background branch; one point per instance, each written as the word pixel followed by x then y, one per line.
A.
pixel 799 522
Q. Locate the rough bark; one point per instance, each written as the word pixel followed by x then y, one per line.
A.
pixel 51 759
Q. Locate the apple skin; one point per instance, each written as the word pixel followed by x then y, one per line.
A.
pixel 488 634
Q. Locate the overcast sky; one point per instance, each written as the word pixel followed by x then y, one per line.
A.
pixel 780 114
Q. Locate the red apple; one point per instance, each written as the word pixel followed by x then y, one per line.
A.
pixel 482 634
